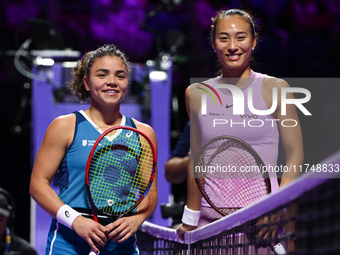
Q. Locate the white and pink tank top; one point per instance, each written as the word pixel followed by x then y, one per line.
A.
pixel 259 131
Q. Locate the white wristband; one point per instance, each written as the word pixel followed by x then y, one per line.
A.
pixel 190 217
pixel 66 215
pixel 279 249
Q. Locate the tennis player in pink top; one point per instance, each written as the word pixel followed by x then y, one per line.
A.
pixel 233 38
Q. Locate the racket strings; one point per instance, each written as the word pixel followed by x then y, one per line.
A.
pixel 120 171
pixel 231 176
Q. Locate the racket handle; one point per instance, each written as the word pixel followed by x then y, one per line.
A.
pixel 279 249
pixel 92 252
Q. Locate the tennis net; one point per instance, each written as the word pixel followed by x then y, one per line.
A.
pixel 306 213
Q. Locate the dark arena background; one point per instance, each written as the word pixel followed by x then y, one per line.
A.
pixel 298 39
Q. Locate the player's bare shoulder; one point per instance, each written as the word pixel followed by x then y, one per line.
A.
pixel 64 122
pixel 146 129
pixel 63 127
pixel 271 82
pixel 198 87
pixel 194 96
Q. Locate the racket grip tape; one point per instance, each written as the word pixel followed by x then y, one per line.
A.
pixel 67 215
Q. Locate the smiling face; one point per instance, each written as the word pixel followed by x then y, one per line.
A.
pixel 107 80
pixel 233 43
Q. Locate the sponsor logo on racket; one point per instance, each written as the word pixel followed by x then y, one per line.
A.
pixel 110 202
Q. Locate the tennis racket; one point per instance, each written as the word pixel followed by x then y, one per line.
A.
pixel 228 173
pixel 119 172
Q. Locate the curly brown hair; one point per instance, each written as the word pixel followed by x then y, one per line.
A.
pixel 77 86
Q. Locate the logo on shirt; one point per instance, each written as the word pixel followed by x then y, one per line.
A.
pixel 88 142
pixel 204 98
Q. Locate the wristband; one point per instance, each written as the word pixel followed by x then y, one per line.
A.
pixel 66 215
pixel 190 217
pixel 279 249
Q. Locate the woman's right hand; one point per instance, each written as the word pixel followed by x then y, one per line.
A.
pixel 183 228
pixel 92 232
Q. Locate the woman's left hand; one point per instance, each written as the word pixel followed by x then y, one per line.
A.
pixel 266 229
pixel 182 229
pixel 122 229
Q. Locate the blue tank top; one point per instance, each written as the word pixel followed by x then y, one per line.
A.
pixel 259 131
pixel 72 168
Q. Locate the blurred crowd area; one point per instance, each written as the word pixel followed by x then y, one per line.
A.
pixel 298 38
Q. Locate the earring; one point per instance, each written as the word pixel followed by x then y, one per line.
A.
pixel 253 48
